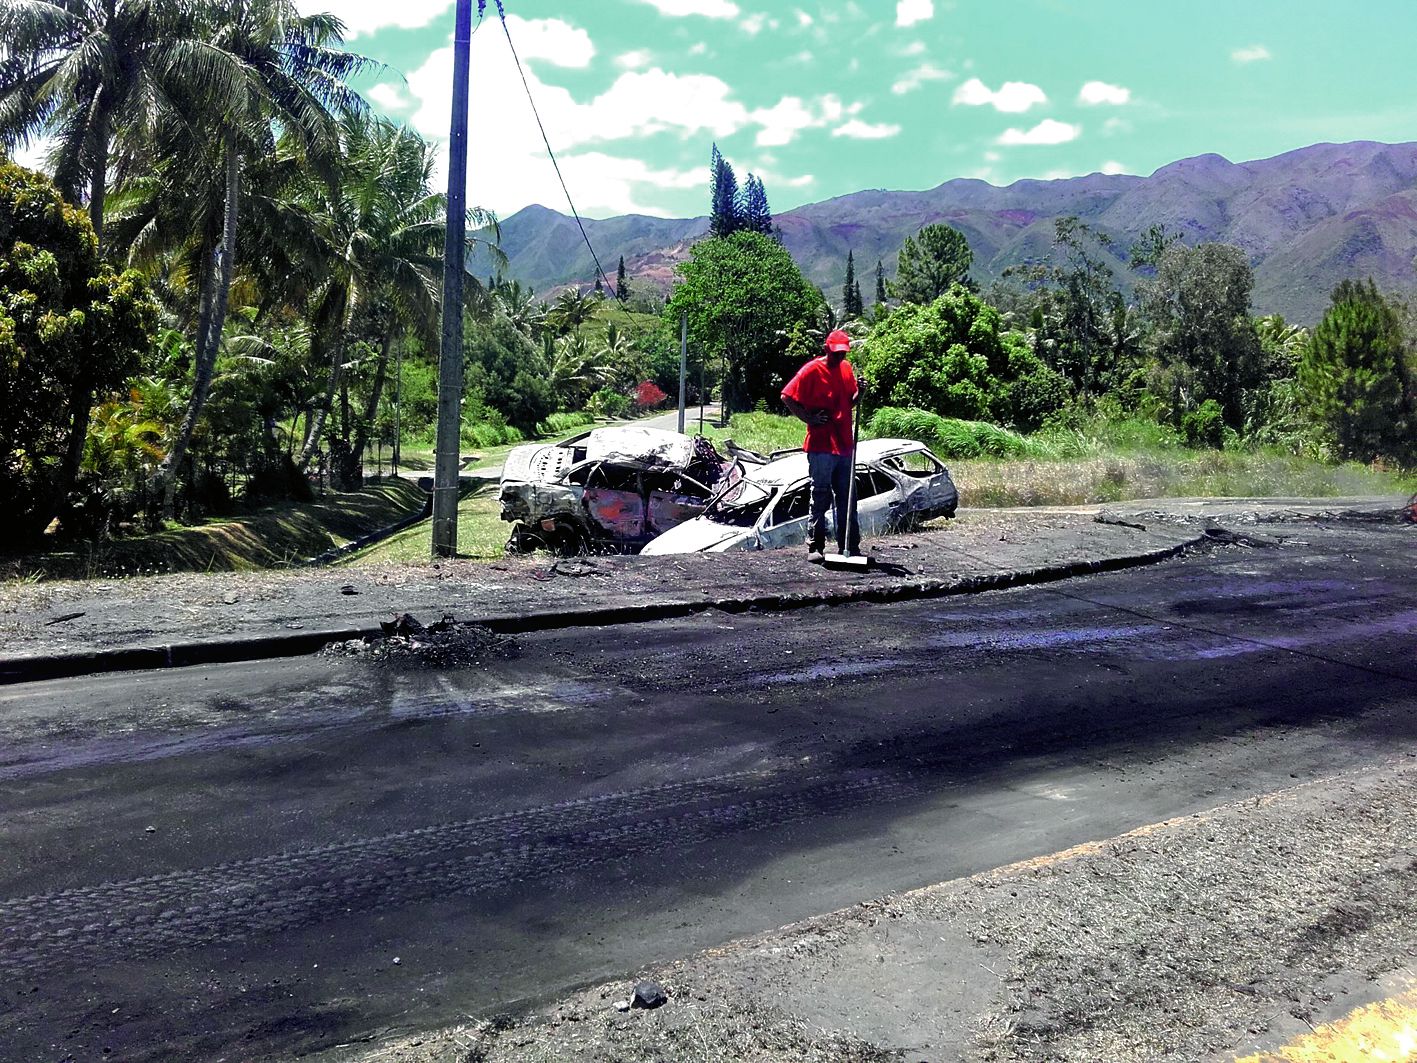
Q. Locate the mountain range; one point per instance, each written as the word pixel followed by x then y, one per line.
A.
pixel 1307 219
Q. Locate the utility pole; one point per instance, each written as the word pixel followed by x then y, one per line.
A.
pixel 446 461
pixel 683 364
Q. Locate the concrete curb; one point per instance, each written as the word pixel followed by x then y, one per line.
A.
pixel 298 643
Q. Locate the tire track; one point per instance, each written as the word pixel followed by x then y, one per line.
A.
pixel 228 903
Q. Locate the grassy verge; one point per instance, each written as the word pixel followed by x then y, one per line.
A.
pixel 481 536
pixel 1117 462
pixel 265 538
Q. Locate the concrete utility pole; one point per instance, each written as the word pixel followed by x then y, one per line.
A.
pixel 683 365
pixel 447 460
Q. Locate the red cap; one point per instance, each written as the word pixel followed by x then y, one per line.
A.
pixel 838 341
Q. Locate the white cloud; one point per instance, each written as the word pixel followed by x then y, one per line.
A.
pixel 551 39
pixel 1013 97
pixel 1253 54
pixel 914 48
pixel 803 19
pixel 362 17
pixel 1113 167
pixel 789 116
pixel 1114 125
pixel 701 48
pixel 390 97
pixel 1048 131
pixel 635 60
pixel 909 12
pixel 1096 93
pixel 583 130
pixel 518 172
pixel 856 129
pixel 912 80
pixel 773 179
pixel 782 122
pixel 755 24
pixel 707 8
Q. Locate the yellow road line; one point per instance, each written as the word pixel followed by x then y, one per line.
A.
pixel 1385 1032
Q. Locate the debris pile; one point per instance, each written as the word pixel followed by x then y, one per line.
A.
pixel 442 644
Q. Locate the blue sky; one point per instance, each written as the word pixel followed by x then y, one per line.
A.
pixel 826 97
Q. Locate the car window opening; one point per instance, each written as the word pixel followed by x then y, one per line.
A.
pixel 916 463
pixel 740 505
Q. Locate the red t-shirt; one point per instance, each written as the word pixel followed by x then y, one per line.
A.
pixel 818 386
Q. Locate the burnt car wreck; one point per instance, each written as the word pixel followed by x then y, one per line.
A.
pixel 610 490
pixel 900 484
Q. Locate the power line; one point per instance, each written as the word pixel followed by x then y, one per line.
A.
pixel 536 113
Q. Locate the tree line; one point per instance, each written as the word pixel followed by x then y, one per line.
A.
pixel 228 285
pixel 1062 339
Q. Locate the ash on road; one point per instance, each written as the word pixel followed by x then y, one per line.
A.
pixel 226 862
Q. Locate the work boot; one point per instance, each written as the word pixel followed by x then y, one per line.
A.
pixel 815 552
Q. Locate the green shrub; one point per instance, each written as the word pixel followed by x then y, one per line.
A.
pixel 951 437
pixel 609 403
pixel 557 424
pixel 1204 426
pixel 490 434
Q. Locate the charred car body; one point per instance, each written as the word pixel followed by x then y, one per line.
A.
pixel 610 489
pixel 899 484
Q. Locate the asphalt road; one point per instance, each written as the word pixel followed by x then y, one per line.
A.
pixel 263 861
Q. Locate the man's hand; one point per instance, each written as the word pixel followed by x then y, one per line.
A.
pixel 806 416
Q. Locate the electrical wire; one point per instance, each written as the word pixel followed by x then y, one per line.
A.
pixel 580 224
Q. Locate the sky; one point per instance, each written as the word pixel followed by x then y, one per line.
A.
pixel 825 97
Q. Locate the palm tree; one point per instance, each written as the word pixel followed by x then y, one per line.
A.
pixel 98 77
pixel 576 369
pixel 295 81
pixel 521 307
pixel 383 232
pixel 570 311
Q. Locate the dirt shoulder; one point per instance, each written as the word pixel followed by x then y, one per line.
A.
pixel 983 548
pixel 1234 931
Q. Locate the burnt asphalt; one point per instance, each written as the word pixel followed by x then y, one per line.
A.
pixel 82 627
pixel 225 861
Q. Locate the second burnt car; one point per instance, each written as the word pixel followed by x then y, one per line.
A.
pixel 899 483
pixel 611 489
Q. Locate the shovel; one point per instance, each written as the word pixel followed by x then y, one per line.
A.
pixel 845 559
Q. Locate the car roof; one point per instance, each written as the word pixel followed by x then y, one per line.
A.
pixel 793 467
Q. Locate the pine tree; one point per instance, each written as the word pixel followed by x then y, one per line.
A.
pixel 1354 377
pixel 599 288
pixel 622 285
pixel 851 291
pixel 930 263
pixel 757 216
pixel 880 282
pixel 724 215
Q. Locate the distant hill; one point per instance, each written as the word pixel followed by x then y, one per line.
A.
pixel 1308 219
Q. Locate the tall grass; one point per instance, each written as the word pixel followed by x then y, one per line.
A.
pixel 1097 460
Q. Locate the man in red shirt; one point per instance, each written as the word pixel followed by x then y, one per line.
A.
pixel 823 394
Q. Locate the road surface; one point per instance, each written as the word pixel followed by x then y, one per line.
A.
pixel 260 861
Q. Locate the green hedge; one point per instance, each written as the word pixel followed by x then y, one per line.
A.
pixel 951 437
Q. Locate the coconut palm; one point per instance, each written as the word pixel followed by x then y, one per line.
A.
pixel 96 77
pixel 570 311
pixel 577 369
pixel 295 82
pixel 383 231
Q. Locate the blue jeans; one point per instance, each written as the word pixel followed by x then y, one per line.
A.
pixel 831 482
